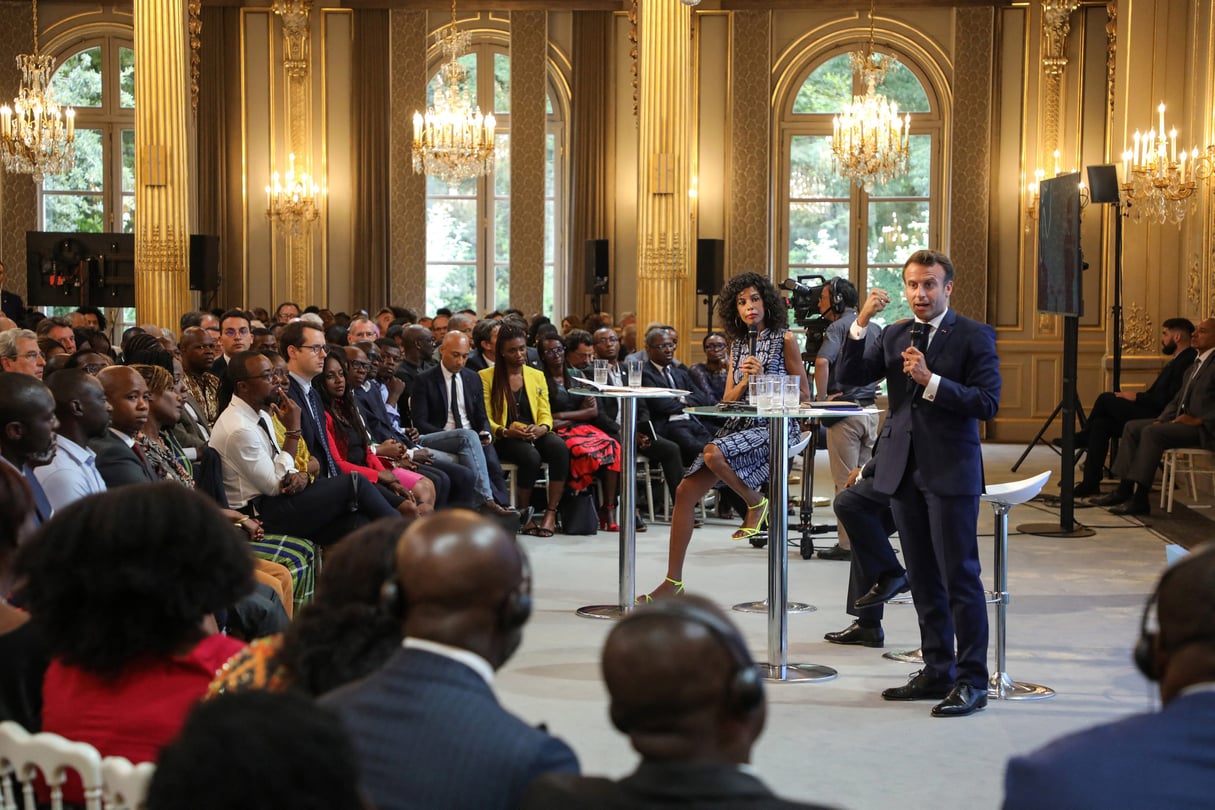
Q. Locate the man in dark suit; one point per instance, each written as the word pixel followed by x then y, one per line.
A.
pixel 27 433
pixel 1187 421
pixel 940 388
pixel 427 728
pixel 684 689
pixel 235 335
pixel 666 413
pixel 1156 760
pixel 119 458
pixel 10 303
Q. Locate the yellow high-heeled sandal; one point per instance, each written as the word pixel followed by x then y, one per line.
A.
pixel 646 598
pixel 747 532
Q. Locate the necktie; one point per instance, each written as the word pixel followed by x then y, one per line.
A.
pixel 1187 388
pixel 454 401
pixel 670 376
pixel 318 410
pixel 266 429
pixel 42 504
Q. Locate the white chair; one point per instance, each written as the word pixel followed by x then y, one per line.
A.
pixel 1181 459
pixel 25 756
pixel 125 786
pixel 511 473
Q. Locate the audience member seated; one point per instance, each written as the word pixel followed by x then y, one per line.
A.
pixel 1145 761
pixel 1187 421
pixel 516 399
pixel 23 657
pixel 427 727
pixel 709 378
pixel 592 452
pixel 27 440
pixel 1113 409
pixel 60 331
pixel 258 750
pixel 120 460
pixel 128 616
pixel 84 415
pixel 19 352
pixel 684 689
pixel 666 413
pixel 235 335
pixel 197 356
pixel 92 362
pixel 485 344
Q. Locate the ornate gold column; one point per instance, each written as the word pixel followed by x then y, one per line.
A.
pixel 294 16
pixel 162 227
pixel 1056 25
pixel 664 144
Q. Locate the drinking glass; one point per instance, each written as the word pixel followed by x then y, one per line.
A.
pixel 769 394
pixel 791 393
pixel 634 368
pixel 601 372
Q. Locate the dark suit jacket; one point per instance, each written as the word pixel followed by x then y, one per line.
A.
pixel 1143 762
pixel 658 785
pixel 118 463
pixel 1168 382
pixel 476 361
pixel 220 367
pixel 314 434
pixel 430 734
pixel 12 305
pixel 430 405
pixel 1201 394
pixel 663 408
pixel 943 433
pixel 380 423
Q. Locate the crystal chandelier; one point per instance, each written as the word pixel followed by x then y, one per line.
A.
pixel 870 140
pixel 293 200
pixel 36 136
pixel 1159 179
pixel 453 141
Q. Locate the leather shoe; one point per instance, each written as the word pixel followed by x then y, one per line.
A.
pixel 1111 499
pixel 922 685
pixel 855 634
pixel 962 700
pixel 836 552
pixel 496 509
pixel 884 591
pixel 1131 508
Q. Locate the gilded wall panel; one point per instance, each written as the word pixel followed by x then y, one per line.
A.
pixel 407 192
pixel 747 219
pixel 18 194
pixel 528 68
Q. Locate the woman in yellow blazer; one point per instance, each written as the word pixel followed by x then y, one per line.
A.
pixel 516 399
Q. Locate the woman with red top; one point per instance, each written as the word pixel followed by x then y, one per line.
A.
pixel 410 493
pixel 123 588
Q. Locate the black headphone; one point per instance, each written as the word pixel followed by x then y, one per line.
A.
pixel 745 687
pixel 837 298
pixel 1144 653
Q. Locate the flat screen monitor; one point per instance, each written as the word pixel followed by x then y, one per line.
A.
pixel 1059 263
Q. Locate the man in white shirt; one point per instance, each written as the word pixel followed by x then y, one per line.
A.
pixel 84 414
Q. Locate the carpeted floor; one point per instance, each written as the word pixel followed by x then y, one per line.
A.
pixel 1074 617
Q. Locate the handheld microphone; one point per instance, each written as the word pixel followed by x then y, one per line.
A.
pixel 752 334
pixel 919 335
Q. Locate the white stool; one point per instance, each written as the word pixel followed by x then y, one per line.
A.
pixel 1003 497
pixel 1181 459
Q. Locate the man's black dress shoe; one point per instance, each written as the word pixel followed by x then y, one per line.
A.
pixel 962 700
pixel 855 634
pixel 1131 508
pixel 1111 499
pixel 884 591
pixel 836 552
pixel 922 685
pixel 1085 490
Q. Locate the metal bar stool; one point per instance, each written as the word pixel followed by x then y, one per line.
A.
pixel 1003 497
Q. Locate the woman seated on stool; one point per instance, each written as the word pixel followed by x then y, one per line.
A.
pixel 516 399
pixel 410 493
pixel 738 454
pixel 592 452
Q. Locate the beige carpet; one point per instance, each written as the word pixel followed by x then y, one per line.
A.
pixel 1074 616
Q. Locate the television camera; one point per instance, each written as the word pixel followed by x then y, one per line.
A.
pixel 806 292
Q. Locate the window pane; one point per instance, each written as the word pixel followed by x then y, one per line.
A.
pixel 548 103
pixel 73 213
pixel 546 305
pixel 896 230
pixel 827 89
pixel 436 187
pixel 550 232
pixel 901 85
pixel 469 62
pixel 501 286
pixel 502 164
pixel 452 286
pixel 818 233
pixel 889 279
pixel 128 213
pixel 550 165
pixel 501 83
pixel 451 230
pixel 812 173
pixel 128 159
pixel 88 173
pixel 77 82
pixel 502 229
pixel 917 182
pixel 126 78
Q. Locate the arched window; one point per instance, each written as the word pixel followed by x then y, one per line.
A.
pixel 468 223
pixel 97 78
pixel 834 228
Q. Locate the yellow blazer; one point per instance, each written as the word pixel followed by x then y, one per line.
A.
pixel 537 395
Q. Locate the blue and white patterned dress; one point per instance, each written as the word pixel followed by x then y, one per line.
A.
pixel 744 440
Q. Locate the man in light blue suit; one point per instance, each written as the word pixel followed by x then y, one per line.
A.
pixel 427 727
pixel 1146 761
pixel 942 379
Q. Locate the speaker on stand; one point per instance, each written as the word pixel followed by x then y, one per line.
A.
pixel 710 270
pixel 204 265
pixel 596 267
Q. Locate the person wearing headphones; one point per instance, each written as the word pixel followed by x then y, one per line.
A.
pixel 426 726
pixel 849 440
pixel 685 690
pixel 1159 759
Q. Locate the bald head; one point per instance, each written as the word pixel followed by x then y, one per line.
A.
pixel 27 420
pixel 463 579
pixel 1185 644
pixel 669 676
pixel 80 404
pixel 127 394
pixel 454 350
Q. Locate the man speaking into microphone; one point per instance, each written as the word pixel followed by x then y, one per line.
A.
pixel 932 467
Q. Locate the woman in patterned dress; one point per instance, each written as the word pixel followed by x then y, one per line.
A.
pixel 738 455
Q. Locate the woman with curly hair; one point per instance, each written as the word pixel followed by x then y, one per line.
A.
pixel 738 454
pixel 123 587
pixel 516 399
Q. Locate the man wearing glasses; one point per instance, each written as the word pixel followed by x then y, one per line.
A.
pixel 19 352
pixel 235 335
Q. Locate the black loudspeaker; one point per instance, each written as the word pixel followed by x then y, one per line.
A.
pixel 596 266
pixel 1103 183
pixel 710 266
pixel 204 262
